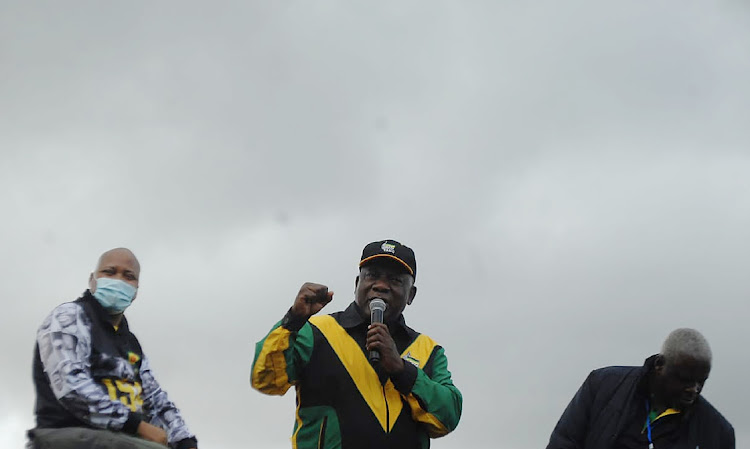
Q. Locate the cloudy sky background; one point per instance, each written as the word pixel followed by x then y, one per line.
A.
pixel 573 176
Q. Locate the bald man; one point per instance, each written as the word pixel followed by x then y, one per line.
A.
pixel 94 386
pixel 657 405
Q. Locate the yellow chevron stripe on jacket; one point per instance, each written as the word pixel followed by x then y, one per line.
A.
pixel 384 401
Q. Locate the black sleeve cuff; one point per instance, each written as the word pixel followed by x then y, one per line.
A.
pixel 293 322
pixel 131 425
pixel 404 381
pixel 187 443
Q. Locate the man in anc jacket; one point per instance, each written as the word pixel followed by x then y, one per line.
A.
pixel 657 405
pixel 94 386
pixel 344 401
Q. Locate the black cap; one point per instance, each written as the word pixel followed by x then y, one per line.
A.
pixel 393 250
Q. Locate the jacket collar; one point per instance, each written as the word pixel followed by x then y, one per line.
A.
pixel 100 314
pixel 352 317
pixel 644 374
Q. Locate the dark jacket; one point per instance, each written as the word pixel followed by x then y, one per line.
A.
pixel 89 374
pixel 600 410
pixel 342 402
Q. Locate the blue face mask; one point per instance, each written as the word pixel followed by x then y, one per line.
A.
pixel 114 295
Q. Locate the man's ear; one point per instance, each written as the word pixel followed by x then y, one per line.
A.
pixel 412 294
pixel 356 282
pixel 92 282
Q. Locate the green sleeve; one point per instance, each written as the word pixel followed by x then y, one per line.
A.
pixel 435 401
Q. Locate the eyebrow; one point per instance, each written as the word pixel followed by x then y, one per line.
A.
pixel 114 267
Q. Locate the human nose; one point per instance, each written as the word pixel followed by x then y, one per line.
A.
pixel 381 284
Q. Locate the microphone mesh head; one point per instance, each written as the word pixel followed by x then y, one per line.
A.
pixel 377 304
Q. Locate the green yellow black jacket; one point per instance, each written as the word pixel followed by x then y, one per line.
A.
pixel 342 402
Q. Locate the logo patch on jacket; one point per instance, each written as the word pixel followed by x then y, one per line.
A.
pixel 411 359
pixel 133 358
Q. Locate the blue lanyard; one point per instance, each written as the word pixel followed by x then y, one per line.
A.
pixel 648 425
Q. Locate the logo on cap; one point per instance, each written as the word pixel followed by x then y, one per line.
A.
pixel 388 247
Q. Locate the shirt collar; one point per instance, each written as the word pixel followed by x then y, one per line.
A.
pixel 351 317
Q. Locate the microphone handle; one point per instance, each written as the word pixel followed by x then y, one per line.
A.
pixel 376 316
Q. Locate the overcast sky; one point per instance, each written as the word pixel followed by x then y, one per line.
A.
pixel 574 178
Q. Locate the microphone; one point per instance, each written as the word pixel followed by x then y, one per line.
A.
pixel 377 309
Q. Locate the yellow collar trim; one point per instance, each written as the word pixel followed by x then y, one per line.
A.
pixel 667 412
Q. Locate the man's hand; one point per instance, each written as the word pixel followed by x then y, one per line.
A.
pixel 379 339
pixel 310 299
pixel 152 433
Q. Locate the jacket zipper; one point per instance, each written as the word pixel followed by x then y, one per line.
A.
pixel 322 436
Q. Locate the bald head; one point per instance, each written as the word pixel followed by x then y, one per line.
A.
pixel 120 253
pixel 117 263
pixel 686 343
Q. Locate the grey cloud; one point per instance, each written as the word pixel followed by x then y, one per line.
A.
pixel 573 178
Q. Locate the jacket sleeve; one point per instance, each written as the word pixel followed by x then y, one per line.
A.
pixel 281 355
pixel 435 402
pixel 572 428
pixel 162 412
pixel 728 440
pixel 64 341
